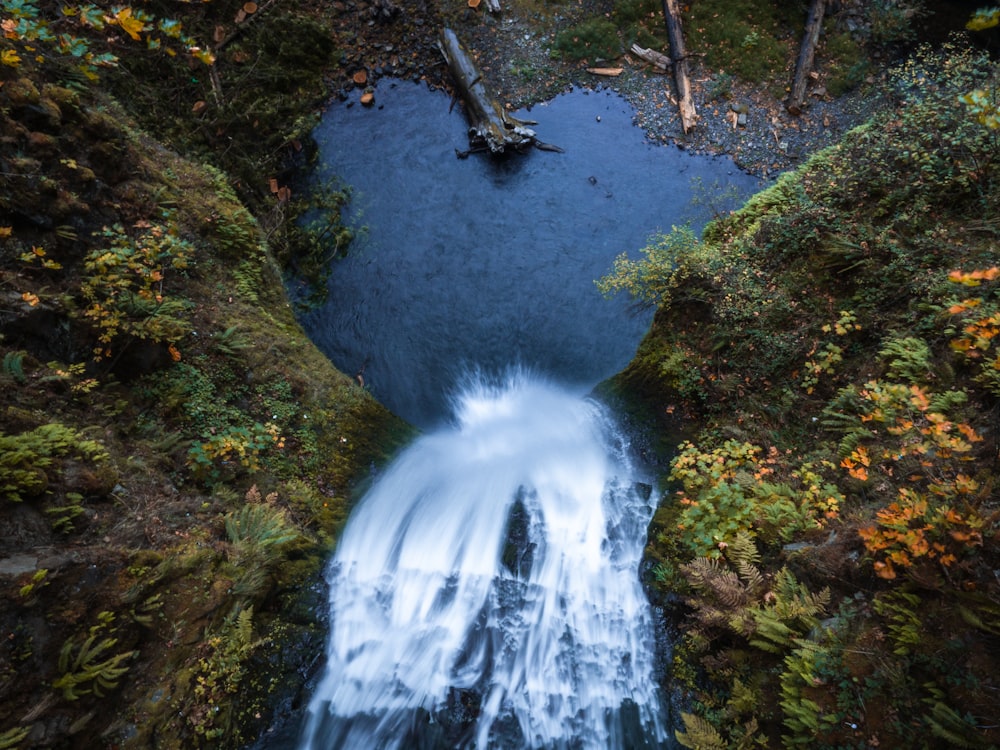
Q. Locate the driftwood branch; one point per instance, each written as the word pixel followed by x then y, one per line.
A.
pixel 675 32
pixel 803 66
pixel 490 126
pixel 657 59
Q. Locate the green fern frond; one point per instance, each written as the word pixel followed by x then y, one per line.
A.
pixel 946 724
pixel 699 734
pixel 11 738
pixel 85 668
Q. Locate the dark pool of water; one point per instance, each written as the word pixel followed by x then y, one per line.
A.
pixel 488 263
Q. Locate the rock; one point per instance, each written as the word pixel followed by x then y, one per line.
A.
pixel 21 93
pixel 16 565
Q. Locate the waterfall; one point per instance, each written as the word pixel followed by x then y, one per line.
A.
pixel 485 592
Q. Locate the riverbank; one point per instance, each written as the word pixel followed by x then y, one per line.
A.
pixel 515 50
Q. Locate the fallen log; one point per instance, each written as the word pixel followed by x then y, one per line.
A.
pixel 675 33
pixel 803 66
pixel 657 59
pixel 490 126
pixel 609 72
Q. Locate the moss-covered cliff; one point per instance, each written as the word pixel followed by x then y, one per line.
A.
pixel 832 528
pixel 176 457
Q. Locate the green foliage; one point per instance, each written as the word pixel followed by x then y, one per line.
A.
pixel 124 287
pixel 10 739
pixel 233 448
pixel 789 612
pixel 661 275
pixel 83 36
pixel 592 40
pixel 748 38
pixel 27 460
pixel 13 367
pixel 846 63
pixel 958 731
pixel 699 734
pixel 28 590
pixel 724 492
pixel 258 530
pixel 90 664
pixel 804 718
pixel 317 236
pixel 895 22
pixel 62 516
pixel 908 359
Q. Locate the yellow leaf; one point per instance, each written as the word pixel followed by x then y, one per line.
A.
pixel 10 58
pixel 5 232
pixel 130 25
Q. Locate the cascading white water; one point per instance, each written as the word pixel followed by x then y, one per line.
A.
pixel 436 611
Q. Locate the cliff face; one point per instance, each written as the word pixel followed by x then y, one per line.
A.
pixel 175 455
pixel 829 541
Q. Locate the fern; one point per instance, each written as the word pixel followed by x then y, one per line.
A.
pixel 985 617
pixel 699 734
pixel 231 342
pixel 908 359
pixel 13 366
pixel 803 717
pixel 86 667
pixel 794 612
pixel 946 724
pixel 254 530
pixel 744 556
pixel 11 738
pixel 900 610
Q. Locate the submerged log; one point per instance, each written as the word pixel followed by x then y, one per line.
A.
pixel 803 66
pixel 490 126
pixel 675 33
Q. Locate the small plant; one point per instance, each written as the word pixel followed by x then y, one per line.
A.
pixel 89 667
pixel 234 448
pixel 123 287
pixel 83 34
pixel 915 528
pixel 10 739
pixel 660 274
pixel 37 582
pixel 738 488
pixel 26 460
pixel 259 529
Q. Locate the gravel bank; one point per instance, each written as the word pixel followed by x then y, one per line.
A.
pixel 513 51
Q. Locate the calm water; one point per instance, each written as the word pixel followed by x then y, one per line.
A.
pixel 483 263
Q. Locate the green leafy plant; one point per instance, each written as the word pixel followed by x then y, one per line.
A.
pixel 730 489
pixel 91 666
pixel 124 287
pixel 82 34
pixel 27 460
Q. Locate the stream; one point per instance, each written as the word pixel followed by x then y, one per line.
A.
pixel 485 592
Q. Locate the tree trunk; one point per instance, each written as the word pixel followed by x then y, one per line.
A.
pixel 803 67
pixel 675 32
pixel 490 127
